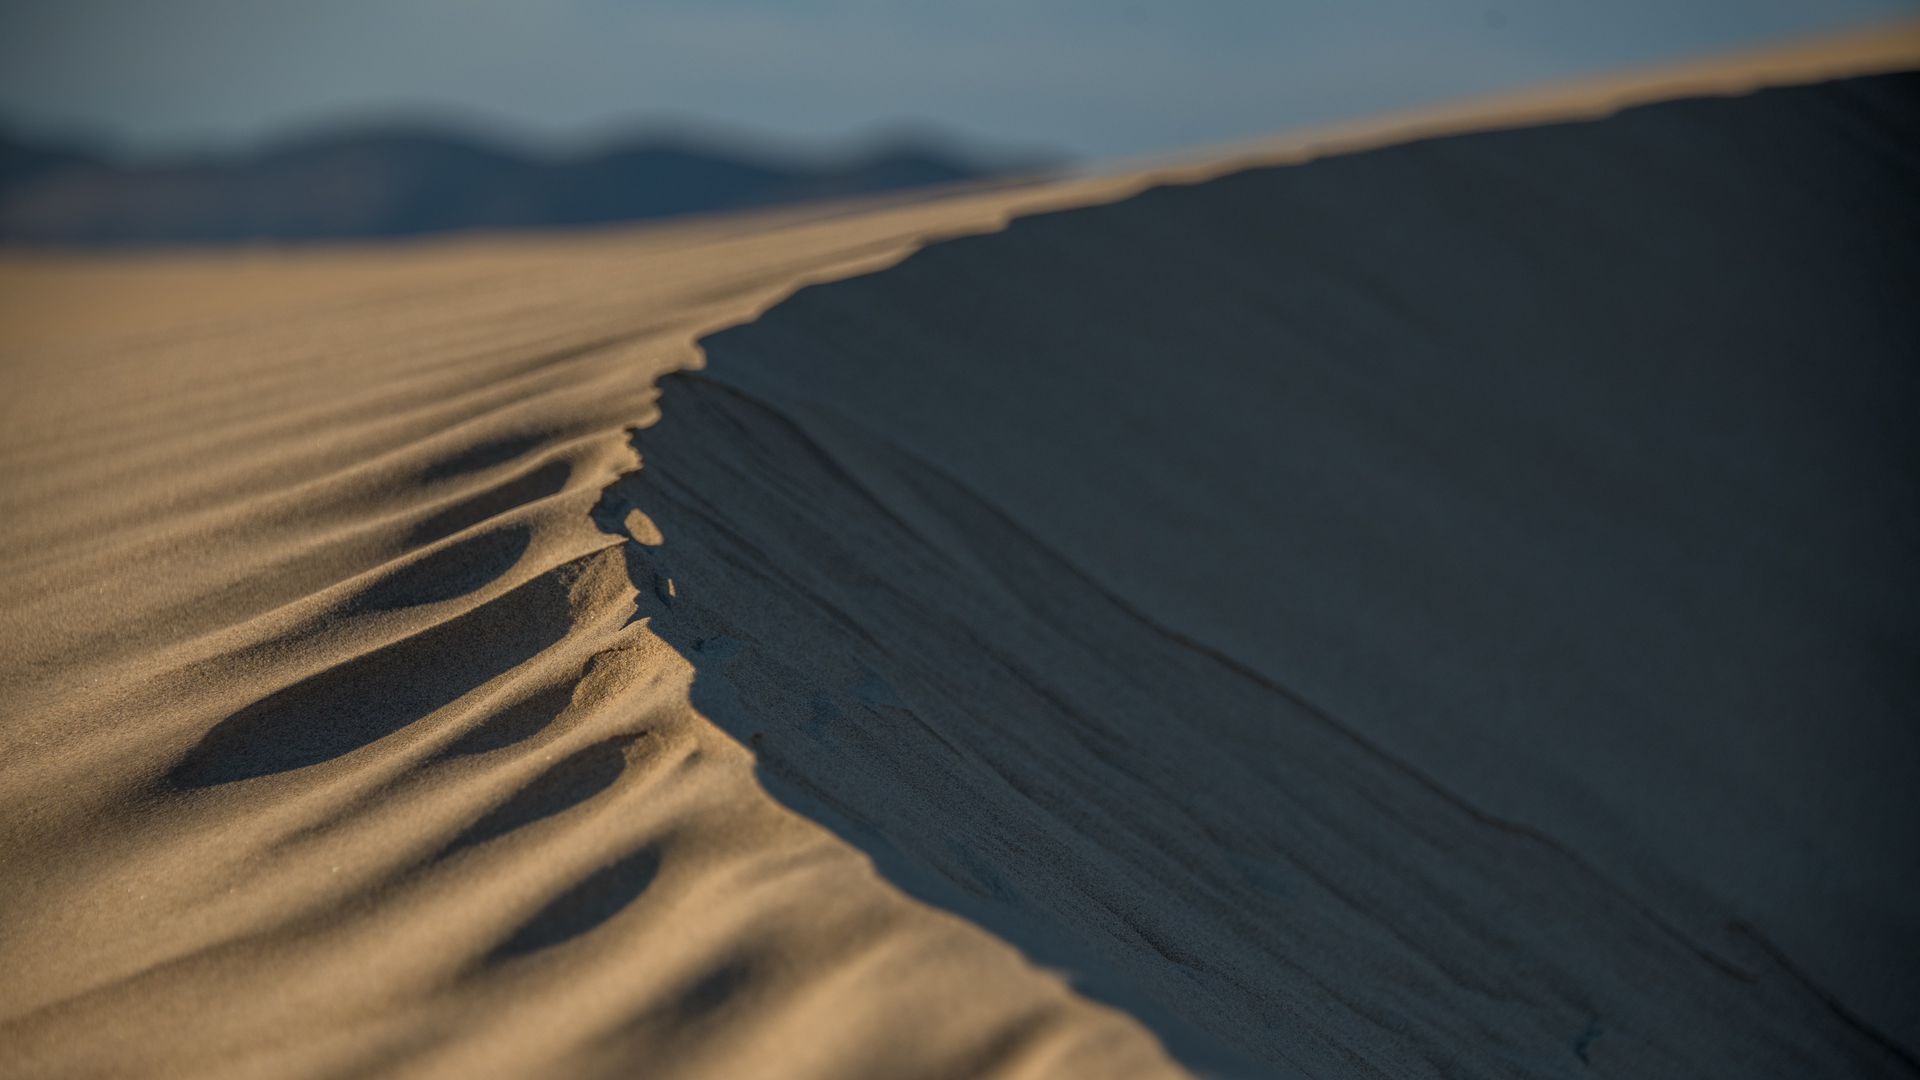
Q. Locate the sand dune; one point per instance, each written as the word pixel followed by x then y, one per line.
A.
pixel 1235 628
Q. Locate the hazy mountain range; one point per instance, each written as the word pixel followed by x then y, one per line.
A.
pixel 409 181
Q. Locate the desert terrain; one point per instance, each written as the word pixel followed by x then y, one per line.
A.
pixel 1429 597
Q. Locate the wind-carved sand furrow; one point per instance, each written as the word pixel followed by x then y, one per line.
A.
pixel 477 524
pixel 383 450
pixel 381 689
pixel 308 726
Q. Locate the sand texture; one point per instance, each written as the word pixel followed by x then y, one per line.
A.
pixel 1427 598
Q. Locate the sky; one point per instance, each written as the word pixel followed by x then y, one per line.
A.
pixel 1091 79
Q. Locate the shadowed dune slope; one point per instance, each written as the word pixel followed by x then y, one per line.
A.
pixel 1451 588
pixel 1575 466
pixel 1074 651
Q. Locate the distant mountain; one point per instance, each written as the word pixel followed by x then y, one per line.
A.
pixel 409 182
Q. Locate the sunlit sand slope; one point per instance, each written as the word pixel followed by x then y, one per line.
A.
pixel 336 743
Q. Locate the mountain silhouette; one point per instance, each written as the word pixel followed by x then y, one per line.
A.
pixel 406 182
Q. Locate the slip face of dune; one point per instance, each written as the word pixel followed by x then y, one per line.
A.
pixel 1084 650
pixel 1573 466
pixel 1392 594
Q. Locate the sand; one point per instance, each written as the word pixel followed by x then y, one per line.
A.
pixel 1237 620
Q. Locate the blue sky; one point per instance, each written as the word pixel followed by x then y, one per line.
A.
pixel 1093 78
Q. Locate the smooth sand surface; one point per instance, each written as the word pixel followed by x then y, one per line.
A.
pixel 1084 650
